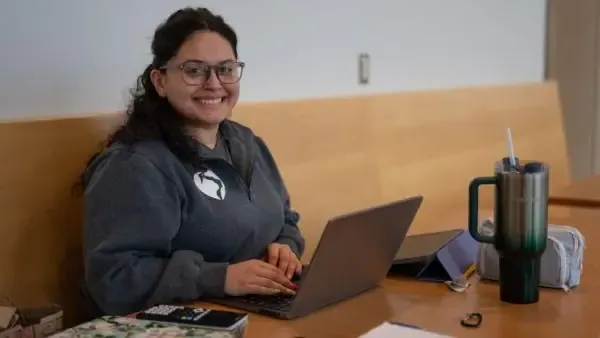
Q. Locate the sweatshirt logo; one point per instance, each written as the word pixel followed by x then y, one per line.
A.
pixel 210 184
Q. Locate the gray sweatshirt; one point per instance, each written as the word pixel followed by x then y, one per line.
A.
pixel 156 231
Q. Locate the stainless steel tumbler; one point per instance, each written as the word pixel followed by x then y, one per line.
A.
pixel 521 219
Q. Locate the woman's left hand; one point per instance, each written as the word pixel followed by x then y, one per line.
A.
pixel 282 256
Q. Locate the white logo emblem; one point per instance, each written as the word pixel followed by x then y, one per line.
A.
pixel 210 184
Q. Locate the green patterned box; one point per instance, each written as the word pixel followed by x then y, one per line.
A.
pixel 121 327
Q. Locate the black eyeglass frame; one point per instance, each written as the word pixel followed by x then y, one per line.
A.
pixel 211 69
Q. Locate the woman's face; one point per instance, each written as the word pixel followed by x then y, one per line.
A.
pixel 202 81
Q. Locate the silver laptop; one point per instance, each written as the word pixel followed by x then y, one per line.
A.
pixel 354 255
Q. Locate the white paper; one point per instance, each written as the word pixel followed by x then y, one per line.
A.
pixel 387 330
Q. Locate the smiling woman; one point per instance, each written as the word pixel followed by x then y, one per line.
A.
pixel 187 80
pixel 185 203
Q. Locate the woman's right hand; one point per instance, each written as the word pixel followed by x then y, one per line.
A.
pixel 256 277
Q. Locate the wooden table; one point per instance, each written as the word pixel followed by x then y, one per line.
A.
pixel 434 307
pixel 583 194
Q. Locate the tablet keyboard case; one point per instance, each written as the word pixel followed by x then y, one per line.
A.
pixel 562 262
pixel 445 261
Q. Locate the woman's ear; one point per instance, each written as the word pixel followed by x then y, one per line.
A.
pixel 158 80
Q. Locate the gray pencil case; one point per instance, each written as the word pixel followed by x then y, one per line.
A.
pixel 562 262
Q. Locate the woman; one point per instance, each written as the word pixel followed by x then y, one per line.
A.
pixel 184 203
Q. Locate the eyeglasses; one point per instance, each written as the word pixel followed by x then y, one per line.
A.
pixel 194 72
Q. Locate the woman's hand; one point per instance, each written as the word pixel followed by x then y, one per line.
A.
pixel 256 277
pixel 282 256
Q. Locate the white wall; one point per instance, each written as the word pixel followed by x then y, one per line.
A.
pixel 74 56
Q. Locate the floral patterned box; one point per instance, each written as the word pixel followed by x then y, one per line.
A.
pixel 121 327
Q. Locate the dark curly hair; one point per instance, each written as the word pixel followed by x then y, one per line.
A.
pixel 150 116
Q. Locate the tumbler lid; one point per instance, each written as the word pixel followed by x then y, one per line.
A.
pixel 506 161
pixel 508 167
pixel 533 167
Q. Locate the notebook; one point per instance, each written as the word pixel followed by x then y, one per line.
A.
pixel 387 330
pixel 121 327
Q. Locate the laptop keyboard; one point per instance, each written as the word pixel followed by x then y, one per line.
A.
pixel 276 302
pixel 279 302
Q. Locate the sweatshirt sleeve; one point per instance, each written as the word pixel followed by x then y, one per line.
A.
pixel 290 233
pixel 132 213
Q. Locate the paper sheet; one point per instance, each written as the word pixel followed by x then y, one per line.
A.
pixel 387 330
